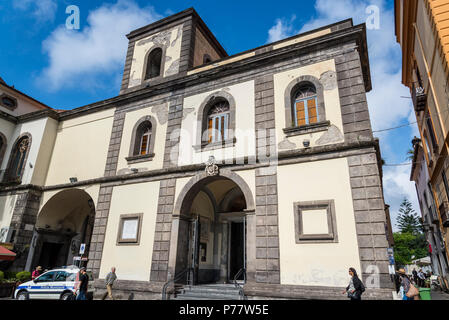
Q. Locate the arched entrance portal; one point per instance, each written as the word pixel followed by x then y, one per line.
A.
pixel 64 223
pixel 211 237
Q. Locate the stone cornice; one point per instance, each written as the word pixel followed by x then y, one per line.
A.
pixel 355 33
pixel 284 158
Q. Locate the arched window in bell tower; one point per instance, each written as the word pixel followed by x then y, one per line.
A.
pixel 154 63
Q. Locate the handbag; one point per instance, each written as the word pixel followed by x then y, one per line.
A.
pixel 413 291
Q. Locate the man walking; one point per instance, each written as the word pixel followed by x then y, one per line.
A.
pixel 110 278
pixel 83 283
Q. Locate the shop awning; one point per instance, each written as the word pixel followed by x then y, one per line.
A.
pixel 6 255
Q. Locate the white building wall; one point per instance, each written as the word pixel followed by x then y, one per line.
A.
pixel 317 264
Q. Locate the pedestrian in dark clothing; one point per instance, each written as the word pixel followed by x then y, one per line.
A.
pixel 397 282
pixel 83 283
pixel 415 276
pixel 355 287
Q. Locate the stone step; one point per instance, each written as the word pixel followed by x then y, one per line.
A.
pixel 232 290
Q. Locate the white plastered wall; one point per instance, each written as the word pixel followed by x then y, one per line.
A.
pixel 243 94
pixel 36 129
pixel 81 148
pixel 172 54
pixel 7 129
pixel 144 200
pixel 317 264
pixel 331 102
pixel 7 204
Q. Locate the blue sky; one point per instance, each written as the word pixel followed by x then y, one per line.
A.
pixel 71 68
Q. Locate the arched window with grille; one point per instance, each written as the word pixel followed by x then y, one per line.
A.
pixel 218 122
pixel 305 108
pixel 2 148
pixel 17 161
pixel 154 64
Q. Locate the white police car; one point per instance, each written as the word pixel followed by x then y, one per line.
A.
pixel 54 284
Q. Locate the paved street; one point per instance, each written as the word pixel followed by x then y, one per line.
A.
pixel 438 295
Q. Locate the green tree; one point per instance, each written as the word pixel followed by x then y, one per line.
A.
pixel 407 220
pixel 407 245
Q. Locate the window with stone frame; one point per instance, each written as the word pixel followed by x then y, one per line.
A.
pixel 315 222
pixel 218 122
pixel 153 64
pixel 130 226
pixel 143 140
pixel 17 160
pixel 305 108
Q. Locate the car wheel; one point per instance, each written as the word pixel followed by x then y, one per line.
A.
pixel 23 295
pixel 67 296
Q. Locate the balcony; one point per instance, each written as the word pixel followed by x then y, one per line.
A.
pixel 419 97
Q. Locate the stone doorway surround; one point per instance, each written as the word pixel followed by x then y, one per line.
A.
pixel 181 218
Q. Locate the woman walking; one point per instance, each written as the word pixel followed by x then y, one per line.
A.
pixel 355 287
pixel 405 283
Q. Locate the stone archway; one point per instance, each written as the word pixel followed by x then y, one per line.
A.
pixel 63 224
pixel 204 204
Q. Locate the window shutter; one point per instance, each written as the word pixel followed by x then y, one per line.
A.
pixel 300 114
pixel 313 116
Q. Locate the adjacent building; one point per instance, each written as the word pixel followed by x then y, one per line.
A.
pixel 259 167
pixel 422 31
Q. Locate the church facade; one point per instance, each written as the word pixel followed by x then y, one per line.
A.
pixel 259 167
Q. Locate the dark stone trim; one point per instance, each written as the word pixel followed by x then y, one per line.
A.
pixel 132 156
pixel 129 242
pixel 202 125
pixel 3 144
pixel 353 102
pixel 329 205
pixel 285 291
pixel 351 36
pixel 197 180
pixel 114 144
pixel 25 212
pixel 310 128
pixel 8 117
pixel 285 158
pixel 369 213
pixel 140 158
pixel 4 95
pixel 99 229
pixel 290 92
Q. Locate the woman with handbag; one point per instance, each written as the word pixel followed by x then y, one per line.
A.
pixel 410 291
pixel 355 287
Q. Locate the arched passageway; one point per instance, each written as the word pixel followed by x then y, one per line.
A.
pixel 63 224
pixel 211 237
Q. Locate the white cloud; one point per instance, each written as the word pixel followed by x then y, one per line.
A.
pixel 84 58
pixel 387 107
pixel 42 10
pixel 396 189
pixel 281 30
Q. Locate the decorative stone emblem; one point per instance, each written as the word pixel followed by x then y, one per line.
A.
pixel 211 167
pixel 329 80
